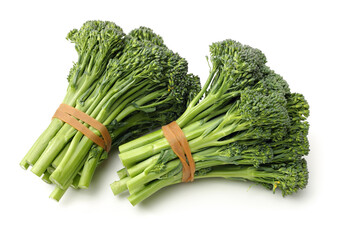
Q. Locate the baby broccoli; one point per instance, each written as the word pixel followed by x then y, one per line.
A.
pixel 244 123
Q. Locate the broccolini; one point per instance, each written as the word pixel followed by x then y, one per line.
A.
pixel 244 123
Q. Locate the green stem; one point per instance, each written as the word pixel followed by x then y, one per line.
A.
pixel 60 156
pixel 141 141
pixel 125 100
pixel 137 182
pixel 141 166
pixel 89 168
pixel 78 149
pixel 57 193
pixel 122 173
pixel 75 182
pixel 130 109
pixel 152 188
pixel 120 186
pixel 41 143
pixel 46 177
pixel 231 172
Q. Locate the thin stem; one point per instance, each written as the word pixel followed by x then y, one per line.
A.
pixel 89 168
pixel 152 188
pixel 120 186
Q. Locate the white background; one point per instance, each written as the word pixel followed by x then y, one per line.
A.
pixel 304 41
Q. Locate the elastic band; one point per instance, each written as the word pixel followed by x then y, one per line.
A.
pixel 180 146
pixel 70 115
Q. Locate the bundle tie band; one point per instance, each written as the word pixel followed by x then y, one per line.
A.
pixel 180 146
pixel 71 115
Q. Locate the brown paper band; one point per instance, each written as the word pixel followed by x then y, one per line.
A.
pixel 70 115
pixel 180 146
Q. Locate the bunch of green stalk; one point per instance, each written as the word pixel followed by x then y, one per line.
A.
pixel 130 83
pixel 244 124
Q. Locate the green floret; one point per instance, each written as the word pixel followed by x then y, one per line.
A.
pixel 297 106
pixel 235 66
pixel 146 34
pixel 272 82
pixel 253 154
pixel 96 43
pixel 294 145
pixel 289 178
pixel 252 58
pixel 264 109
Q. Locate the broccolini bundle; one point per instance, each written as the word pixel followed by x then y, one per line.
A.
pixel 244 124
pixel 129 83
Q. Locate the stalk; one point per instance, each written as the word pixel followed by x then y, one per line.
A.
pixel 46 177
pixel 60 156
pixel 140 180
pixel 90 167
pixel 119 186
pixel 75 183
pixel 122 173
pixel 152 188
pixel 71 160
pixel 57 193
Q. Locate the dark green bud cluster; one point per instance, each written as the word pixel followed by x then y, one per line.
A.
pixel 264 110
pixel 288 177
pixel 240 65
pixel 146 34
pixel 272 82
pixel 229 49
pixel 258 154
pixel 297 107
pixel 96 43
pixel 182 90
pixel 295 144
pixel 251 154
pixel 93 31
pixel 72 72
